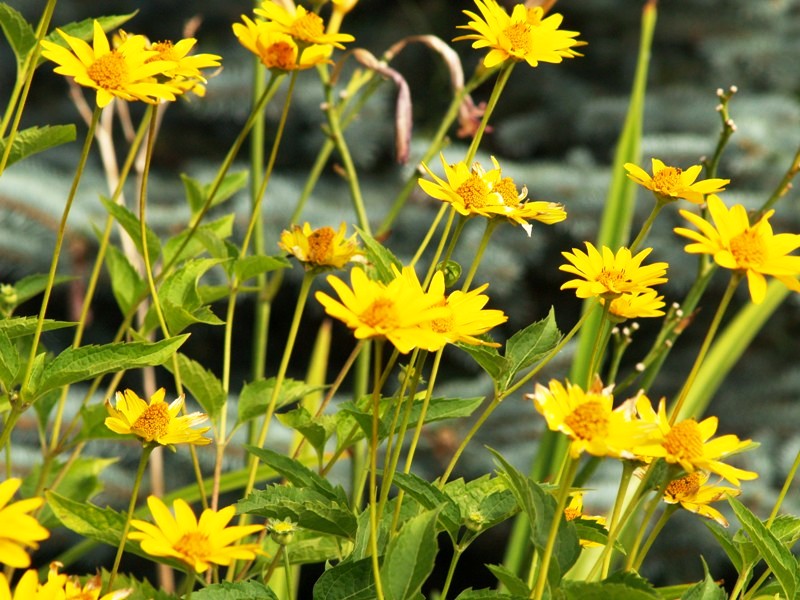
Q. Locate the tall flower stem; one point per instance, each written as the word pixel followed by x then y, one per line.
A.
pixel 491 224
pixel 624 481
pixel 651 538
pixel 784 490
pixel 646 226
pixel 634 561
pixel 147 449
pixel 502 79
pixel 712 331
pixel 603 334
pixel 373 472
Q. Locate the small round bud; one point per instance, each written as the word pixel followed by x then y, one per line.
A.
pixel 282 532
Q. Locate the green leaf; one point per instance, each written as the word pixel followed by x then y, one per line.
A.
pixel 87 362
pixel 9 361
pixel 222 228
pixel 202 384
pixel 99 524
pixel 410 557
pixel 317 430
pixel 488 358
pixel 197 193
pixel 774 553
pixel 241 590
pixel 37 139
pixel 514 584
pixel 130 223
pixel 126 283
pixel 379 257
pixel 178 318
pixel 18 32
pixel 256 395
pixel 708 589
pixel 32 285
pixel 431 497
pixel 487 594
pixel 351 580
pixel 308 508
pixel 249 266
pixel 20 326
pixel 579 590
pixel 529 345
pixel 298 474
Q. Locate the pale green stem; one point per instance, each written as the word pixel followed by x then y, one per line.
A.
pixel 662 521
pixel 188 584
pixel 603 333
pixel 627 470
pixel 502 79
pixel 440 247
pixel 373 474
pixel 784 490
pixel 646 226
pixel 633 561
pixel 458 550
pixel 431 230
pixel 491 224
pixel 287 567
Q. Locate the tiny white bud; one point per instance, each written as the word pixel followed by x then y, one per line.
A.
pixel 679 313
pixel 615 331
pixel 733 89
pixel 668 343
pixel 718 108
pixel 720 92
pixel 639 367
pixel 626 332
pixel 635 326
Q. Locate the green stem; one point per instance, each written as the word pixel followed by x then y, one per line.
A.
pixel 467 439
pixel 499 84
pixel 627 471
pixel 458 550
pixel 600 342
pixel 646 226
pixel 373 473
pixel 491 224
pixel 431 230
pixel 784 490
pixel 188 585
pixel 287 567
pixel 633 561
pixel 662 521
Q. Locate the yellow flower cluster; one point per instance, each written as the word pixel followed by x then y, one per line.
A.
pixel 57 587
pixel 320 248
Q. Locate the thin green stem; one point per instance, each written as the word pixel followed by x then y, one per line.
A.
pixel 431 230
pixel 600 342
pixel 651 538
pixel 633 561
pixel 624 481
pixel 440 483
pixel 500 83
pixel 491 225
pixel 784 490
pixel 646 226
pixel 458 550
pixel 440 248
pixel 287 567
pixel 373 473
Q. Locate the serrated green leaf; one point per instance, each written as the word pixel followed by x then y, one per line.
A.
pixel 379 257
pixel 18 32
pixel 100 524
pixel 87 362
pixel 20 326
pixel 774 553
pixel 33 285
pixel 178 318
pixel 130 223
pixel 9 361
pixel 249 266
pixel 514 584
pixel 351 580
pixel 126 283
pixel 37 139
pixel 488 594
pixel 203 385
pixel 241 590
pixel 529 345
pixel 256 395
pixel 197 193
pixel 317 430
pixel 410 557
pixel 488 358
pixel 431 497
pixel 708 589
pixel 298 474
pixel 579 590
pixel 221 228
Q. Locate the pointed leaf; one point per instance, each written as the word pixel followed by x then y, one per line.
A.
pixel 351 580
pixel 379 257
pixel 529 345
pixel 726 543
pixel 126 283
pixel 256 395
pixel 708 589
pixel 489 359
pixel 431 497
pixel 298 474
pixel 514 584
pixel 241 590
pixel 18 32
pixel 33 285
pixel 488 594
pixel 222 228
pixel 130 223
pixel 9 361
pixel 410 557
pixel 197 193
pixel 20 326
pixel 37 139
pixel 250 266
pixel 202 384
pixel 317 430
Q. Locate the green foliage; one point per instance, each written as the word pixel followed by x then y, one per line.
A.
pixel 241 590
pixel 204 386
pixel 18 33
pixel 346 581
pixel 37 139
pixel 256 396
pixel 197 194
pixel 410 557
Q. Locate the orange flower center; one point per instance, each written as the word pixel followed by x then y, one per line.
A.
pixel 508 190
pixel 588 421
pixel 320 246
pixel 280 55
pixel 109 71
pixel 474 192
pixel 308 28
pixel 748 248
pixel 519 38
pixel 685 487
pixel 684 440
pixel 667 180
pixel 614 281
pixel 193 545
pixel 380 313
pixel 570 514
pixel 153 422
pixel 164 50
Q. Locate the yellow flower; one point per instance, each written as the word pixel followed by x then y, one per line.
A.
pixel 62 587
pixel 689 443
pixel 672 183
pixel 18 529
pixel 194 543
pixel 589 419
pixel 638 305
pixel 398 311
pixel 186 75
pixel 27 588
pixel 518 211
pixel 304 26
pixel 155 422
pixel 695 496
pixel 469 190
pixel 322 247
pixel 278 50
pixel 574 511
pixel 749 249
pixel 523 35
pixel 610 275
pixel 126 72
pixel 466 317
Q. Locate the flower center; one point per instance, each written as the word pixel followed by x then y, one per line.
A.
pixel 164 50
pixel 685 487
pixel 280 55
pixel 153 422
pixel 380 313
pixel 748 248
pixel 508 191
pixel 443 325
pixel 684 441
pixel 667 180
pixel 308 28
pixel 193 545
pixel 614 280
pixel 474 192
pixel 588 420
pixel 519 38
pixel 570 514
pixel 320 247
pixel 109 71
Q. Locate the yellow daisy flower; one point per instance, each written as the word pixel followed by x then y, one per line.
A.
pixel 304 26
pixel 60 586
pixel 574 511
pixel 186 75
pixel 278 50
pixel 695 496
pixel 672 183
pixel 156 422
pixel 518 211
pixel 638 305
pixel 610 275
pixel 195 543
pixel 749 249
pixel 322 247
pixel 522 36
pixel 398 311
pixel 18 529
pixel 27 587
pixel 126 72
pixel 689 443
pixel 469 190
pixel 589 419
pixel 466 317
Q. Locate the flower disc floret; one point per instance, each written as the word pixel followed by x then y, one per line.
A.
pixel 321 247
pixel 672 183
pixel 470 190
pixel 693 493
pixel 19 531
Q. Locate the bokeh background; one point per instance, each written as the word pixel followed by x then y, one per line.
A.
pixel 554 130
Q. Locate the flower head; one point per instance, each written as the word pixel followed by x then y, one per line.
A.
pixel 637 305
pixel 155 421
pixel 304 26
pixel 127 72
pixel 322 247
pixel 610 275
pixel 399 311
pixel 186 75
pixel 518 211
pixel 672 183
pixel 695 495
pixel 60 586
pixel 521 36
pixel 689 443
pixel 277 50
pixel 470 190
pixel 197 543
pixel 27 587
pixel 19 530
pixel 589 419
pixel 752 250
